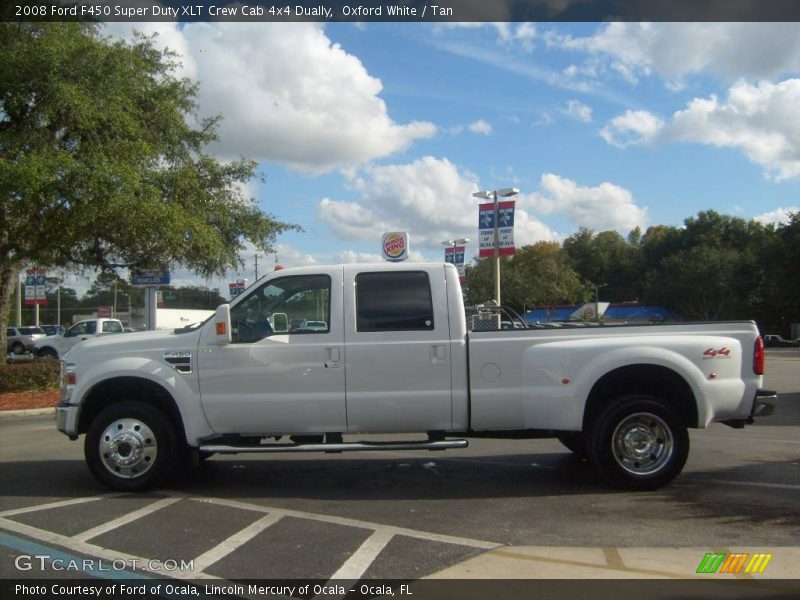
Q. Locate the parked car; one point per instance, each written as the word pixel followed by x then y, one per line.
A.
pixel 311 326
pixel 55 346
pixel 777 341
pixel 52 329
pixel 20 340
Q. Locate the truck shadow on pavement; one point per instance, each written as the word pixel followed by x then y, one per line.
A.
pixel 435 477
pixel 325 478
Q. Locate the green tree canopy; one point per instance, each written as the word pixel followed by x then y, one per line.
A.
pixel 103 161
pixel 537 274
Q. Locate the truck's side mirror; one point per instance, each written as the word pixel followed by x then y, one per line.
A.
pixel 222 325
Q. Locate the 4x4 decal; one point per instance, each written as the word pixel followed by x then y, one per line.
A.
pixel 712 353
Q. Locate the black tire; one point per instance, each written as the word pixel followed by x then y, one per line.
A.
pixel 131 446
pixel 638 442
pixel 574 441
pixel 48 352
pixel 18 349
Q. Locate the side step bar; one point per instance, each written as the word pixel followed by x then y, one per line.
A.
pixel 340 447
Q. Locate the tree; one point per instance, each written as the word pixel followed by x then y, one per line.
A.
pixel 778 260
pixel 537 274
pixel 103 161
pixel 607 259
pixel 101 292
pixel 711 269
pixel 543 276
pixel 697 283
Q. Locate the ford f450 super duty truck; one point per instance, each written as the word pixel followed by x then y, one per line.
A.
pixel 314 354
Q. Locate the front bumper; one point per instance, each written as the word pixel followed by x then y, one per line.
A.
pixel 67 420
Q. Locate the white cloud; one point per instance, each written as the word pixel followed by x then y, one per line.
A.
pixel 677 50
pixel 607 206
pixel 632 128
pixel 350 220
pixel 761 120
pixel 287 93
pixel 521 35
pixel 431 198
pixel 351 256
pixel 481 127
pixel 779 216
pixel 578 110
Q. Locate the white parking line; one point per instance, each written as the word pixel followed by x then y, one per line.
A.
pixel 110 556
pixel 422 535
pixel 60 504
pixel 749 438
pixel 352 569
pixel 234 542
pixel 124 519
pixel 360 560
pixel 762 484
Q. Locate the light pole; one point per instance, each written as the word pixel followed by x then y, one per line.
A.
pixel 492 195
pixel 597 287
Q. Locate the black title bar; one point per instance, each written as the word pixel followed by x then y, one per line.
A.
pixel 400 11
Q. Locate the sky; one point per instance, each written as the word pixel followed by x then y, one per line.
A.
pixel 363 128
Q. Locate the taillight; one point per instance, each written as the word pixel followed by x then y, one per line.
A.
pixel 759 357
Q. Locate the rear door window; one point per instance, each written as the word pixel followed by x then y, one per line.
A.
pixel 394 301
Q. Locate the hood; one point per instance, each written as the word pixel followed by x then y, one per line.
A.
pixel 140 342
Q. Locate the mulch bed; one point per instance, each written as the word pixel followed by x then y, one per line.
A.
pixel 28 400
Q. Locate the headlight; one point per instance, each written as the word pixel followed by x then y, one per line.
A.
pixel 68 379
pixel 69 373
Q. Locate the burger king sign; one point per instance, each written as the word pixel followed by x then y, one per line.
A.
pixel 395 246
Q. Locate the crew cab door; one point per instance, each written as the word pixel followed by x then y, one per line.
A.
pixel 398 351
pixel 284 370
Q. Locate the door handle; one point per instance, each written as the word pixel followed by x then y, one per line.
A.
pixel 438 355
pixel 332 357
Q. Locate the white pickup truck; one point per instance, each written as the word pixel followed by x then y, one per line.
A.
pixel 56 346
pixel 389 352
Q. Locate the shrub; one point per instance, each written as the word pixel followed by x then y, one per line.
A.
pixel 21 376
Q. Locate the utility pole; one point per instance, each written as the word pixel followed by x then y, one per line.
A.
pixel 256 257
pixel 19 302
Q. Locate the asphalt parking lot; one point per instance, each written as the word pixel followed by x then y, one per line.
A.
pixel 499 509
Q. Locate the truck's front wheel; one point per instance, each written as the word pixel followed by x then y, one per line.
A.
pixel 130 446
pixel 638 442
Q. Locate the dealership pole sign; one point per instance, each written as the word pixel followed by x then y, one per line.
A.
pixel 455 256
pixel 504 225
pixel 150 277
pixel 35 286
pixel 394 246
pixel 236 287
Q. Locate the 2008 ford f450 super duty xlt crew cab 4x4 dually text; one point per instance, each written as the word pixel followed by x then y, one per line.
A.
pixel 317 353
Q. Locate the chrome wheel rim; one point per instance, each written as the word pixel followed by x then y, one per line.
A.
pixel 128 448
pixel 642 444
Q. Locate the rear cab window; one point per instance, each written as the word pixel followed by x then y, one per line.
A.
pixel 112 327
